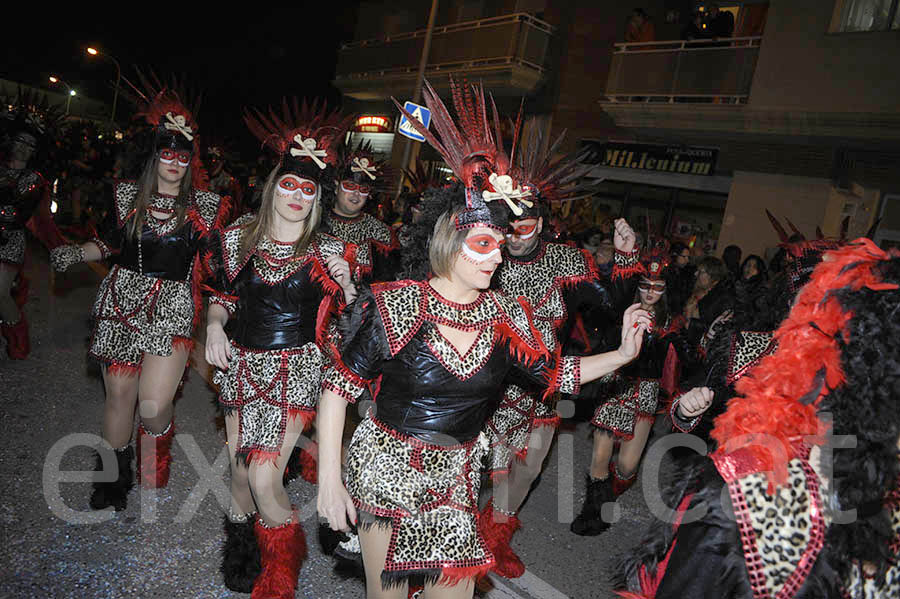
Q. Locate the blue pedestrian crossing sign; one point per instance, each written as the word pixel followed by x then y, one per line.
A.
pixel 422 114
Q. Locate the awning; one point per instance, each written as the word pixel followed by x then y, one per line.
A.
pixel 709 183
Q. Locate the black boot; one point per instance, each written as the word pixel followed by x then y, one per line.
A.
pixel 240 555
pixel 590 522
pixel 114 493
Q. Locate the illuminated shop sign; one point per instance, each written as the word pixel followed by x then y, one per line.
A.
pixel 372 124
pixel 680 160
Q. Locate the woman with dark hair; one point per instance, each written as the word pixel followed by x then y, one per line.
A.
pixel 626 417
pixel 752 290
pixel 276 282
pixel 148 304
pixel 713 297
pixel 442 347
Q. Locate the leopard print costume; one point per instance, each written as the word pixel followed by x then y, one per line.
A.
pixel 429 492
pixel 369 235
pixel 862 586
pixel 747 349
pixel 25 187
pixel 782 533
pixel 136 314
pixel 631 400
pixel 542 281
pixel 266 388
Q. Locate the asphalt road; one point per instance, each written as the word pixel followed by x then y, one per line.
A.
pixel 167 542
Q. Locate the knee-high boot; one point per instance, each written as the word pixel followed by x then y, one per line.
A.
pixel 282 550
pixel 154 456
pixel 240 554
pixel 114 493
pixel 497 536
pixel 18 345
pixel 590 521
pixel 620 484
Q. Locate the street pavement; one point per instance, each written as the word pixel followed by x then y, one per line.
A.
pixel 167 542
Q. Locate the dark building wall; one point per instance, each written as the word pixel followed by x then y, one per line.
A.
pixel 802 66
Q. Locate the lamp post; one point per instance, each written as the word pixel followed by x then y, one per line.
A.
pixel 95 52
pixel 54 79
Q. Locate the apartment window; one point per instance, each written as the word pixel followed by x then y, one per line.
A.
pixel 865 15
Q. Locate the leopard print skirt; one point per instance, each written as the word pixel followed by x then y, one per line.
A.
pixel 267 388
pixel 428 494
pixel 630 400
pixel 509 428
pixel 135 314
pixel 12 247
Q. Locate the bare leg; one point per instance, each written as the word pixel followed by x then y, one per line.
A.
pixel 267 479
pixel 512 490
pixel 241 499
pixel 118 409
pixel 9 311
pixel 630 451
pixel 374 541
pixel 159 379
pixel 603 448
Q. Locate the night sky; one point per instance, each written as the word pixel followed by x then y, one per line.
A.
pixel 236 58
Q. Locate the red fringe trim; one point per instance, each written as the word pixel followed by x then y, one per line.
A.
pixel 197 278
pixel 619 272
pixel 453 576
pixel 520 349
pixel 183 342
pixel 769 403
pixel 306 416
pixel 223 213
pixel 123 369
pixel 262 457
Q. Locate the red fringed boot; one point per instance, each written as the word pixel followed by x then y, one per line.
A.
pixel 17 344
pixel 302 464
pixel 497 536
pixel 620 484
pixel 282 550
pixel 154 456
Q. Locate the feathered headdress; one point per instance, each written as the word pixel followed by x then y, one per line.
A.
pixel 307 137
pixel 421 178
pixel 549 176
pixel 656 259
pixel 361 166
pixel 28 112
pixel 170 109
pixel 472 147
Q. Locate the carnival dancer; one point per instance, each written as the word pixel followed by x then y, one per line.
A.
pixel 359 177
pixel 147 306
pixel 559 281
pixel 625 418
pixel 24 203
pixel 220 180
pixel 277 282
pixel 773 511
pixel 442 347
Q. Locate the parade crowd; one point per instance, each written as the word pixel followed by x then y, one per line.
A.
pixel 462 313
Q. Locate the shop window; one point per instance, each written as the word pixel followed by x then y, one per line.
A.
pixel 865 15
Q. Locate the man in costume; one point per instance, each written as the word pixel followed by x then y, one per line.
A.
pixel 221 181
pixel 559 281
pixel 361 176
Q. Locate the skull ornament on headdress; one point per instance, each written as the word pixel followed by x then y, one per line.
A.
pixel 306 137
pixel 472 148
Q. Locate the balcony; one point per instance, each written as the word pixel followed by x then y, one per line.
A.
pixel 508 54
pixel 681 71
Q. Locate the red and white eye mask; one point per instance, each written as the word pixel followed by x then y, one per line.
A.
pixel 524 231
pixel 480 248
pixel 169 156
pixel 352 187
pixel 290 185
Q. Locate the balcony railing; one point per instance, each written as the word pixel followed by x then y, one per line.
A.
pixel 517 41
pixel 683 71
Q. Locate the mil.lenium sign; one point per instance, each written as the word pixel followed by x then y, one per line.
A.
pixel 684 160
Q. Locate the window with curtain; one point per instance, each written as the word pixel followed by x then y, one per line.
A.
pixel 866 15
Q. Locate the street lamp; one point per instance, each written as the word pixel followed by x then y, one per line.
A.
pixel 95 52
pixel 71 91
